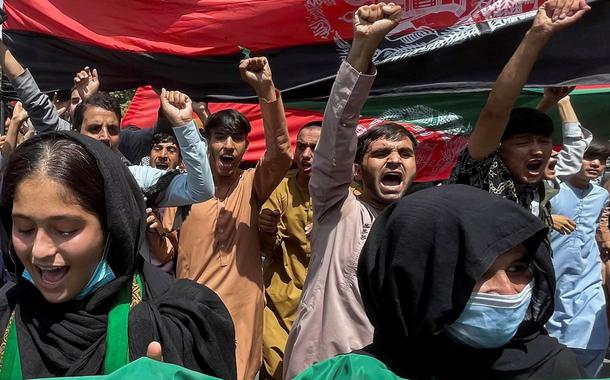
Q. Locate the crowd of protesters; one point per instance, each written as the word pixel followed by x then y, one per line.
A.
pixel 315 263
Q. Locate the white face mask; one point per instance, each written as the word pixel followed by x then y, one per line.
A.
pixel 490 320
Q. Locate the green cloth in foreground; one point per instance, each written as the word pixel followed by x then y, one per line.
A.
pixel 145 368
pixel 349 366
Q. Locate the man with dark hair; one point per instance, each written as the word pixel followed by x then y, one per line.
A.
pixel 285 224
pixel 165 151
pixel 103 122
pixel 227 131
pixel 370 175
pixel 580 320
pixel 219 242
pixel 509 148
pixel 330 317
pixel 98 116
pixel 161 234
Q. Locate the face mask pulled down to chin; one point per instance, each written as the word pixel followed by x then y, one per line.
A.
pixel 101 276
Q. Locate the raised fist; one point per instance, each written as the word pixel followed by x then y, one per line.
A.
pixel 375 21
pixel 177 107
pixel 555 15
pixel 257 73
pixel 555 94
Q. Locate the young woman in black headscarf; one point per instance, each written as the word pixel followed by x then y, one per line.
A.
pixel 85 302
pixel 458 283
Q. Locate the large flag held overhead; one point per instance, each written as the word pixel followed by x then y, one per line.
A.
pixel 194 45
pixel 440 122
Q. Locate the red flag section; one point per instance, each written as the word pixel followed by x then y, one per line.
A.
pixel 214 27
pixel 193 45
pixel 142 110
pixel 436 155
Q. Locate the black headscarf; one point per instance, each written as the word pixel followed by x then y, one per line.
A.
pixel 69 339
pixel 417 271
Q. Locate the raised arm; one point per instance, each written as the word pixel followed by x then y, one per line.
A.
pixel 552 16
pixel 10 143
pixel 197 184
pixel 10 66
pixel 551 96
pixel 332 170
pixel 576 140
pixel 86 83
pixel 39 107
pixel 277 158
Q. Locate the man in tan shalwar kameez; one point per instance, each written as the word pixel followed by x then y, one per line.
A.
pixel 219 241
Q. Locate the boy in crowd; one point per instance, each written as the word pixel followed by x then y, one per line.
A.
pixel 508 150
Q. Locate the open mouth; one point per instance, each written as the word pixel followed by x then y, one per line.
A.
pixel 162 166
pixel 52 276
pixel 534 166
pixel 226 161
pixel 306 165
pixel 391 180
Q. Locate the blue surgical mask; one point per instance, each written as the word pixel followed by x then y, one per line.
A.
pixel 102 275
pixel 27 276
pixel 490 320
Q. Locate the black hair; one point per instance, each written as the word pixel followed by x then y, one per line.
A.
pixel 230 121
pixel 528 121
pixel 598 149
pixel 311 124
pixel 165 137
pixel 389 131
pixel 62 160
pixel 100 99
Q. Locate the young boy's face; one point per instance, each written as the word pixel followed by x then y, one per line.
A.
pixel 592 167
pixel 526 155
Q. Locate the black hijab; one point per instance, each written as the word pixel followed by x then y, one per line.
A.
pixel 69 339
pixel 417 271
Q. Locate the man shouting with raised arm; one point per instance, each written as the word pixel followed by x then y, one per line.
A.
pixel 331 319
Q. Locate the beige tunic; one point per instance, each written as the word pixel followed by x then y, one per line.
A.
pixel 219 242
pixel 331 318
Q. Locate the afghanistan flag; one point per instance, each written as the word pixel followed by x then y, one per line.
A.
pixel 194 45
pixel 440 122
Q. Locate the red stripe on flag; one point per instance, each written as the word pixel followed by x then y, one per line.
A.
pixel 178 27
pixel 216 27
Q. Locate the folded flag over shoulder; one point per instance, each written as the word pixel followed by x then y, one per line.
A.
pixel 194 45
